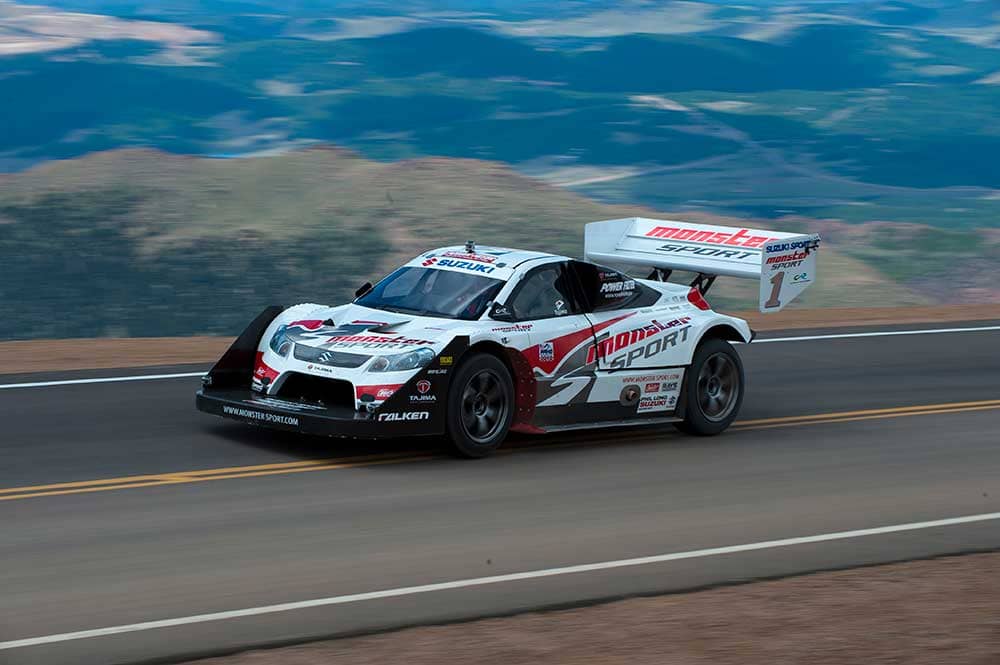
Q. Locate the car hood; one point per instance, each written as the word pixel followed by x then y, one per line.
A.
pixel 362 330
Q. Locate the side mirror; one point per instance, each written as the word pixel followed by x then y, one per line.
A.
pixel 365 288
pixel 501 312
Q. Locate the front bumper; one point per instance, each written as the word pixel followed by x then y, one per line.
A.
pixel 247 406
pixel 417 408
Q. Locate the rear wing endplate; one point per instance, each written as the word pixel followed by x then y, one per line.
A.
pixel 783 263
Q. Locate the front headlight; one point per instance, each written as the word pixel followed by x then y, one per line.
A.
pixel 280 343
pixel 401 362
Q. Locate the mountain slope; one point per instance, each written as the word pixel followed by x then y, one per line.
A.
pixel 144 243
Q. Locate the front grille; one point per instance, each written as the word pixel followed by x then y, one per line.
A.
pixel 317 390
pixel 311 354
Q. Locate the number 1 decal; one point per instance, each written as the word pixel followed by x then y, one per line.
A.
pixel 776 281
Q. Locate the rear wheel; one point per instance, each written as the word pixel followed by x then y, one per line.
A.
pixel 713 389
pixel 480 406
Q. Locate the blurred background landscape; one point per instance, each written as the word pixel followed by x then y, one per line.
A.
pixel 169 167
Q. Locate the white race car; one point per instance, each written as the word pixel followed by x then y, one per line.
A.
pixel 473 342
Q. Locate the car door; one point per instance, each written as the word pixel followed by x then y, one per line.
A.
pixel 635 326
pixel 546 305
pixel 639 341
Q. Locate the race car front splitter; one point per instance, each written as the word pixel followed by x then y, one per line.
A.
pixel 250 407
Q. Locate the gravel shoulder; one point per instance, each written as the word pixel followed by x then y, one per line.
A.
pixel 917 613
pixel 49 355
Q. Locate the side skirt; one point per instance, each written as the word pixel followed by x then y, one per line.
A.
pixel 631 422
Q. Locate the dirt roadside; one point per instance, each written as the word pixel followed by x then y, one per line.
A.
pixel 919 613
pixel 75 354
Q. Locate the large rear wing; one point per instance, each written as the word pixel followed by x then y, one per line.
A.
pixel 784 263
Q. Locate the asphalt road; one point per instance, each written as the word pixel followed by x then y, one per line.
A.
pixel 133 532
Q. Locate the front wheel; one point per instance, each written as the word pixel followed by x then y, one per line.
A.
pixel 480 406
pixel 713 389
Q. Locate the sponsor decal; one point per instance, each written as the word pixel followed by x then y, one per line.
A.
pixel 380 392
pixel 650 349
pixel 471 266
pixel 424 388
pixel 790 246
pixel 563 346
pixel 260 416
pixel 801 278
pixel 321 368
pixel 263 374
pixel 517 327
pixel 445 360
pixel 786 261
pixel 629 395
pixel 645 378
pixel 396 416
pixel 375 341
pixel 437 371
pixel 614 343
pixel 707 251
pixel 313 330
pixel 546 352
pixel 740 238
pixel 482 258
pixel 653 403
pixel 501 310
pixel 651 388
pixel 618 289
pixel 796 256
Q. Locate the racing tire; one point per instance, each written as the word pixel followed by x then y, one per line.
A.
pixel 713 389
pixel 480 406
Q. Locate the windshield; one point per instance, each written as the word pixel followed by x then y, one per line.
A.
pixel 432 292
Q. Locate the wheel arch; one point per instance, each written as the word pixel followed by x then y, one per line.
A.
pixel 724 331
pixel 525 392
pixel 494 349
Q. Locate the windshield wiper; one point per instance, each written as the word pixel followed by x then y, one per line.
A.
pixel 402 310
pixel 399 309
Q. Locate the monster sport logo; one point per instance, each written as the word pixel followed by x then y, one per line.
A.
pixel 741 238
pixel 615 343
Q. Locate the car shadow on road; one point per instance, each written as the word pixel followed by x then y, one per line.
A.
pixel 310 447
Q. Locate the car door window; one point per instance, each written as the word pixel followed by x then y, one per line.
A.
pixel 606 289
pixel 545 293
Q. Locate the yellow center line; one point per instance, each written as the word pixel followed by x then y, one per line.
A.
pixel 738 427
pixel 897 410
pixel 304 465
pixel 281 468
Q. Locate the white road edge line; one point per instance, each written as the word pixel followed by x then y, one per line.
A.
pixel 103 379
pixel 151 377
pixel 495 579
pixel 876 333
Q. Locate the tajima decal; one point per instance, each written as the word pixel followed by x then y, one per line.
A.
pixel 546 361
